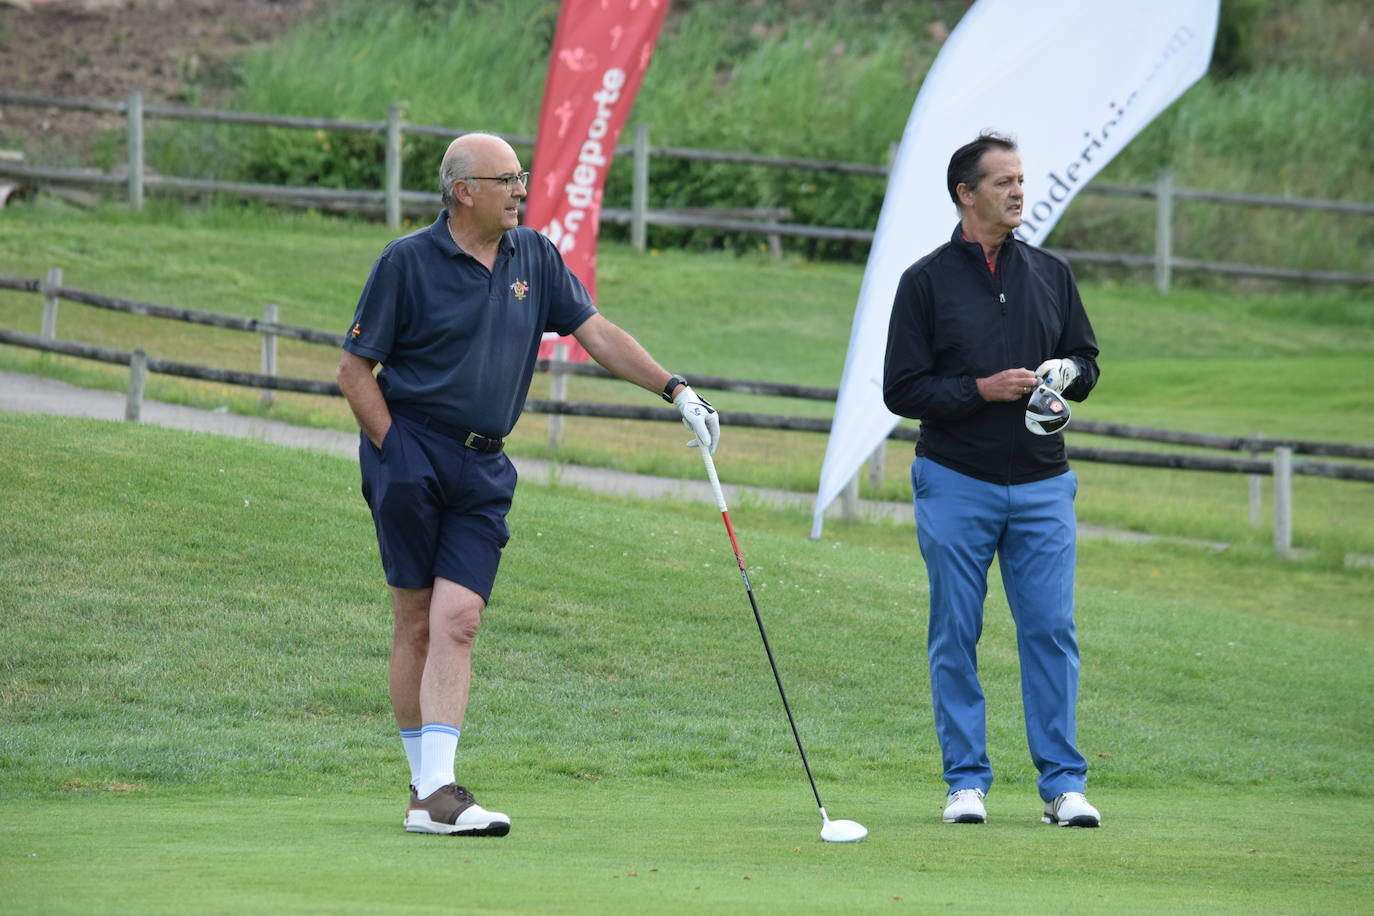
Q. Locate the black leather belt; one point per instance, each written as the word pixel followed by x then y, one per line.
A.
pixel 477 443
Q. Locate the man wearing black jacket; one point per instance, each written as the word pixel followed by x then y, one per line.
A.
pixel 968 321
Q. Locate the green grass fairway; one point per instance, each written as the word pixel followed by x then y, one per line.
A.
pixel 695 846
pixel 193 712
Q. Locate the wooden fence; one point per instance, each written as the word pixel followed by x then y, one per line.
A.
pixel 395 201
pixel 1282 467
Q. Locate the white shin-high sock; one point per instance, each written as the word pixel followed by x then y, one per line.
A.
pixel 410 739
pixel 438 747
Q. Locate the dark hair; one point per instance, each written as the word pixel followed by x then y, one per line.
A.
pixel 966 165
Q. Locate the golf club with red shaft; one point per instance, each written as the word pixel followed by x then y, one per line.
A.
pixel 831 831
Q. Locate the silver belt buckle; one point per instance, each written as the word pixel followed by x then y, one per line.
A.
pixel 471 441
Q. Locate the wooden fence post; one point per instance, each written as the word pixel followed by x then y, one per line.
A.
pixel 135 112
pixel 1283 501
pixel 1164 229
pixel 558 391
pixel 639 190
pixel 1256 487
pixel 393 166
pixel 877 465
pixel 133 404
pixel 775 246
pixel 269 353
pixel 50 302
pixel 849 500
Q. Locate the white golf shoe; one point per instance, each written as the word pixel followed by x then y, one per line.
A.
pixel 965 806
pixel 1071 810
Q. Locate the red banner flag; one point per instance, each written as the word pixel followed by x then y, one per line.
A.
pixel 601 49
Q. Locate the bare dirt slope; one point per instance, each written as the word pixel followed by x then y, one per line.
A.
pixel 177 51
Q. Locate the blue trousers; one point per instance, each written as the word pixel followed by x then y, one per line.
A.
pixel 960 523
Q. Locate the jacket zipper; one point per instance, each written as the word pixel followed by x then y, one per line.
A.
pixel 1000 288
pixel 1006 353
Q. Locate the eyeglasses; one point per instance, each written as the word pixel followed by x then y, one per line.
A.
pixel 506 181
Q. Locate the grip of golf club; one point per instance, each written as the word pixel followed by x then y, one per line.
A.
pixel 724 513
pixel 715 481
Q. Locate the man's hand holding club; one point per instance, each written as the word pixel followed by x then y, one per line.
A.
pixel 700 418
pixel 1060 373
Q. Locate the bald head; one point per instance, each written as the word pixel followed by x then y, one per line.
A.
pixel 472 154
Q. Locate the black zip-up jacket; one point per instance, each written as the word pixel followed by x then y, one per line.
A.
pixel 954 321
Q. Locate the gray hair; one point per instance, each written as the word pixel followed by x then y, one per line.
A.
pixel 456 166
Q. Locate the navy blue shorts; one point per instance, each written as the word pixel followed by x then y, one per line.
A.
pixel 439 508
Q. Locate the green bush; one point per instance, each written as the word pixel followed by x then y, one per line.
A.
pixel 1237 41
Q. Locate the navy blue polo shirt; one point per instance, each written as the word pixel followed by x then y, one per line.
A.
pixel 458 342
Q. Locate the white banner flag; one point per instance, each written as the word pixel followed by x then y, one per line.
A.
pixel 1072 81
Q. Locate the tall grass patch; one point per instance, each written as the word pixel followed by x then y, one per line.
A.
pixel 723 78
pixel 471 65
pixel 833 83
pixel 1285 133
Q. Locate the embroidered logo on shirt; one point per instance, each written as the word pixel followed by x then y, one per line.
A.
pixel 357 329
pixel 520 288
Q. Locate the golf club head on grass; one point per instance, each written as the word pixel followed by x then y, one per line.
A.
pixel 841 831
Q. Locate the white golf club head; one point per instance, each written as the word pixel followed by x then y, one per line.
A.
pixel 841 831
pixel 1046 411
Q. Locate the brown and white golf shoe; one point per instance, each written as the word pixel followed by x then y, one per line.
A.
pixel 452 810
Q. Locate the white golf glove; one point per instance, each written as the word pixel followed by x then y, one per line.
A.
pixel 1061 372
pixel 699 417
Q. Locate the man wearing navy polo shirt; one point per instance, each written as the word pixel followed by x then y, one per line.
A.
pixel 454 313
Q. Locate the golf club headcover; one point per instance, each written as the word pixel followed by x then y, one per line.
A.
pixel 699 417
pixel 1061 372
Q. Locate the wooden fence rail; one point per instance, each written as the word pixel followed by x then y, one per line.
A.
pixel 669 414
pixel 174 313
pixel 52 291
pixel 762 220
pixel 1226 443
pixel 393 201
